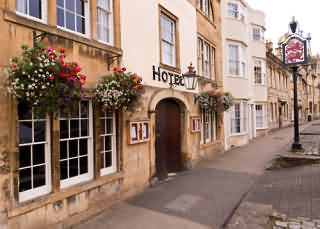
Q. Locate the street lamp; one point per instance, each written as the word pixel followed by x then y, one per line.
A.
pixel 294 51
pixel 190 78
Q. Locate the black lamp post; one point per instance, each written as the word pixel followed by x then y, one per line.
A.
pixel 294 51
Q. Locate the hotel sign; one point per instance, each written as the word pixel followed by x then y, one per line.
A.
pixel 167 77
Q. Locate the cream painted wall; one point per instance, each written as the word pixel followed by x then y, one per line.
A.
pixel 140 36
pixel 243 88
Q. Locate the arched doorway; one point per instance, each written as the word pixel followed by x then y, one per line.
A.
pixel 168 138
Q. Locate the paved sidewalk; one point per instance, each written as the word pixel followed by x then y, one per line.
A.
pixel 293 193
pixel 201 198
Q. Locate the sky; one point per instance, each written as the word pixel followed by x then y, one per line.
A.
pixel 279 13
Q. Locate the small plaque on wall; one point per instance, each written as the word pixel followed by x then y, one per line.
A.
pixel 195 124
pixel 139 131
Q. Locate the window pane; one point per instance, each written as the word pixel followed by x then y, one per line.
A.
pixel 39 176
pixel 74 128
pixel 25 180
pixel 25 132
pixel 84 109
pixel 102 126
pixel 73 148
pixel 73 167
pixel 80 25
pixel 84 128
pixel 39 131
pixel 21 6
pixel 63 170
pixel 108 159
pixel 63 149
pixel 70 21
pixel 108 143
pixel 38 154
pixel 24 112
pixel 60 3
pixel 83 147
pixel 24 156
pixel 64 129
pixel 70 5
pixel 83 165
pixel 109 126
pixel 80 7
pixel 35 8
pixel 102 160
pixel 60 17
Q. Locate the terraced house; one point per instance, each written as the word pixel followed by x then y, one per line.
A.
pixel 57 171
pixel 244 72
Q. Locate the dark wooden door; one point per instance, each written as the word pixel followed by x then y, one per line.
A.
pixel 168 138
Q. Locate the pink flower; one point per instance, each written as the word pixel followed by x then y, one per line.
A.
pixel 14 65
pixel 51 77
pixel 50 49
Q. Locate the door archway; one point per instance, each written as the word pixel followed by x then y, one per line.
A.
pixel 168 138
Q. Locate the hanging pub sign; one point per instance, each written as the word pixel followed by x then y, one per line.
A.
pixel 294 51
pixel 167 77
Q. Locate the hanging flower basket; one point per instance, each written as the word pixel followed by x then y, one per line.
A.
pixel 119 89
pixel 205 101
pixel 41 79
pixel 216 100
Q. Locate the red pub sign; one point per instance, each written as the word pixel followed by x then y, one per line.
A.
pixel 295 51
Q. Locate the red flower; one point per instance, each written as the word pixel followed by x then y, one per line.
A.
pixel 81 83
pixel 76 70
pixel 14 65
pixel 51 77
pixel 124 69
pixel 83 77
pixel 120 71
pixel 63 75
pixel 62 50
pixel 115 69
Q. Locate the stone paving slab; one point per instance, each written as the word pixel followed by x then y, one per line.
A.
pixel 197 196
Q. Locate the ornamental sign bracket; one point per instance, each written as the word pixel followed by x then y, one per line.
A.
pixel 295 51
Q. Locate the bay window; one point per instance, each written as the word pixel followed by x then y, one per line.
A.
pixel 257 34
pixel 236 11
pixel 237 60
pixel 259 72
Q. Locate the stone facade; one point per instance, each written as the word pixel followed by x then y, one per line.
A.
pixel 135 164
pixel 279 91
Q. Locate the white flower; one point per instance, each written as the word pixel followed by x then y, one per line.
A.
pixel 35 71
pixel 29 86
pixel 31 63
pixel 53 63
pixel 23 73
pixel 43 87
pixel 40 70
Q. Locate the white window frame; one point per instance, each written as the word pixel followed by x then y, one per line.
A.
pixel 240 60
pixel 86 18
pixel 43 12
pixel 242 118
pixel 113 168
pixel 163 40
pixel 233 10
pixel 65 183
pixel 257 34
pixel 206 59
pixel 208 119
pixel 108 13
pixel 200 55
pixel 258 63
pixel 45 189
pixel 262 116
